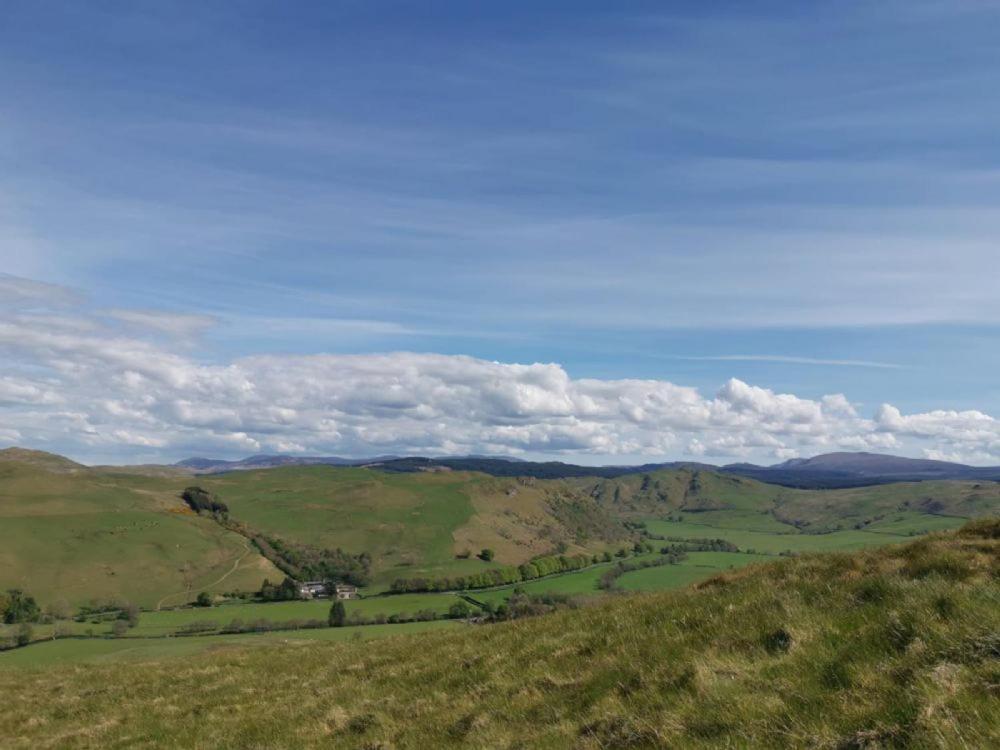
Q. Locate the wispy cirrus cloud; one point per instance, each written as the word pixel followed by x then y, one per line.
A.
pixel 792 360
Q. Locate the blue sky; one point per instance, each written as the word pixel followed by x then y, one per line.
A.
pixel 799 196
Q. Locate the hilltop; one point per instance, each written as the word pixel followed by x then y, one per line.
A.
pixel 825 471
pixel 895 647
pixel 40 459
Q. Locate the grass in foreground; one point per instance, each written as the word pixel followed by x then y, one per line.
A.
pixel 897 647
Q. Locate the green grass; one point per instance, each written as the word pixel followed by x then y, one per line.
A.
pixel 738 502
pixel 697 567
pixel 402 520
pixel 131 554
pixel 895 647
pixel 908 523
pixel 168 621
pixel 109 650
pixel 767 542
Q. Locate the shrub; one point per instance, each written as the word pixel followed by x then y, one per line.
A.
pixel 204 599
pixel 338 614
pixel 19 607
pixel 24 634
pixel 486 554
pixel 203 501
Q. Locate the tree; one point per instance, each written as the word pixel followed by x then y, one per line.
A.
pixel 24 634
pixel 486 555
pixel 59 610
pixel 129 613
pixel 459 610
pixel 338 614
pixel 20 607
pixel 204 599
pixel 119 628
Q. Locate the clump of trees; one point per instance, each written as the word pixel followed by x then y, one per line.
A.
pixel 522 604
pixel 16 606
pixel 285 591
pixel 536 568
pixel 204 599
pixel 202 501
pixel 705 544
pixel 305 562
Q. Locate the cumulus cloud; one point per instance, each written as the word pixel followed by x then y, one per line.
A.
pixel 88 386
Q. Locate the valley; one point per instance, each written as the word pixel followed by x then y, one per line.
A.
pixel 93 540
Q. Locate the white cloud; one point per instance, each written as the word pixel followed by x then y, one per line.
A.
pixel 76 383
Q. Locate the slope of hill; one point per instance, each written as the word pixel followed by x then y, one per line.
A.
pixel 39 459
pixel 713 499
pixel 890 648
pixel 70 533
pixel 426 523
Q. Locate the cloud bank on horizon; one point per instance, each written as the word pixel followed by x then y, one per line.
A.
pixel 94 383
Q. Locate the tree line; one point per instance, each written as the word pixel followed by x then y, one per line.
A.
pixel 536 568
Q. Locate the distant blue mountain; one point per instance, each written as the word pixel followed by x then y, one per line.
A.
pixel 827 470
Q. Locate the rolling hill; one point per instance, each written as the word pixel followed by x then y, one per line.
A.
pixel 895 647
pixel 77 533
pixel 74 534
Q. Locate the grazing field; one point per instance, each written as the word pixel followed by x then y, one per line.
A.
pixel 763 542
pixel 697 567
pixel 168 621
pixel 109 650
pixel 894 647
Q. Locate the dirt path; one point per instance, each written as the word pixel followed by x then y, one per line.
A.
pixel 236 565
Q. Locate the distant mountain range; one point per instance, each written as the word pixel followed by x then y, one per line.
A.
pixel 826 470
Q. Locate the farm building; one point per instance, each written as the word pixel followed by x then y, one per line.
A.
pixel 346 591
pixel 312 589
pixel 321 589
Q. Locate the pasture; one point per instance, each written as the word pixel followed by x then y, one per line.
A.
pixel 113 650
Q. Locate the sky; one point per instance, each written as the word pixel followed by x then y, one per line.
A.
pixel 599 232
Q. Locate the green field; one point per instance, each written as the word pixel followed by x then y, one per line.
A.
pixel 106 650
pixel 168 621
pixel 789 542
pixel 697 567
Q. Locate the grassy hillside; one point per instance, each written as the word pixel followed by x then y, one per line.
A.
pixel 75 535
pixel 414 524
pixel 895 647
pixel 737 502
